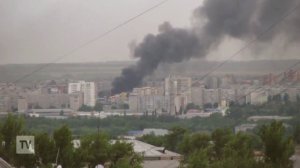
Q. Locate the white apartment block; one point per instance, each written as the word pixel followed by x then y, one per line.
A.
pixel 146 99
pixel 258 97
pixel 87 88
pixel 177 93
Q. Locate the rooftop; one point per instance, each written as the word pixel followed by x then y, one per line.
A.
pixel 152 152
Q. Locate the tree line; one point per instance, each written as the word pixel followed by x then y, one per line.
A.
pixel 58 149
pixel 270 147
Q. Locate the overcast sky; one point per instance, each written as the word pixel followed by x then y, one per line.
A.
pixel 39 31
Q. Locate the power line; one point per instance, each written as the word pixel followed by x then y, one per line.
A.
pixel 249 43
pixel 99 37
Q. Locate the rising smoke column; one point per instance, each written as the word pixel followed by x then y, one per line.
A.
pixel 216 19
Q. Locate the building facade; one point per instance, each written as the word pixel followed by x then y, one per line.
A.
pixel 87 88
pixel 76 100
pixel 147 100
pixel 178 93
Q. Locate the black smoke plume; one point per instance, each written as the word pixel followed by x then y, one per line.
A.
pixel 214 20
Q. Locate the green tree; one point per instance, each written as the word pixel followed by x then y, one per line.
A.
pixel 11 127
pixel 153 140
pixel 25 161
pixel 236 151
pixel 195 142
pixel 86 108
pixel 44 149
pixel 129 162
pixel 198 159
pixel 64 147
pixel 278 149
pixel 124 106
pixel 297 134
pixel 95 148
pixel 98 107
pixel 174 138
pixel 122 153
pixel 220 138
pixel 191 106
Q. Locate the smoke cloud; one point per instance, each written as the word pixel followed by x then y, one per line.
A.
pixel 212 22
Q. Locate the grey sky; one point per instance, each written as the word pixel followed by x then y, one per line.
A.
pixel 39 31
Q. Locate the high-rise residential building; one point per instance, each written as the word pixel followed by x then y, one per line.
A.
pixel 22 105
pixel 228 94
pixel 177 93
pixel 258 97
pixel 147 100
pixel 213 82
pixel 45 101
pixel 212 96
pixel 197 93
pixel 87 88
pixel 76 100
pixel 2 104
pixel 293 93
pixel 226 81
pixel 133 102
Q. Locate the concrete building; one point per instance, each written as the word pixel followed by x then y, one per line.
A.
pixel 51 87
pixel 51 113
pixel 133 102
pixel 257 97
pixel 211 96
pixel 22 105
pixel 178 93
pixel 88 89
pixel 228 95
pixel 227 81
pixel 2 104
pixel 47 101
pixel 118 99
pixel 213 82
pixel 294 93
pixel 197 93
pixel 76 100
pixel 146 100
pixel 195 113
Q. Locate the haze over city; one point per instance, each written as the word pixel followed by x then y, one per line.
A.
pixel 150 84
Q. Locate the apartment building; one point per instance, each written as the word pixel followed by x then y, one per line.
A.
pixel 87 88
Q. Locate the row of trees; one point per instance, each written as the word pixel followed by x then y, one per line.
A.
pixel 58 148
pixel 219 149
pixel 115 126
pixel 97 107
pixel 269 148
pixel 241 112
